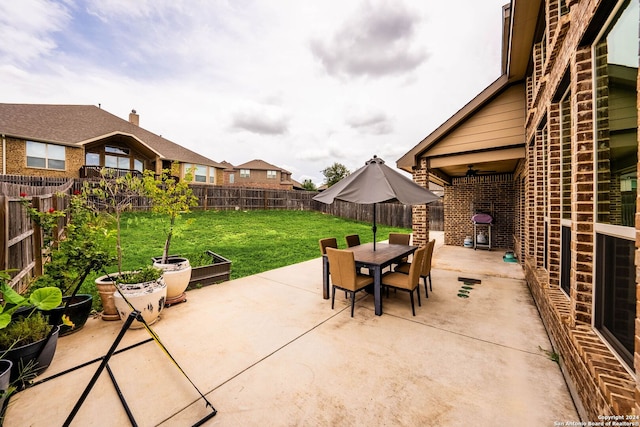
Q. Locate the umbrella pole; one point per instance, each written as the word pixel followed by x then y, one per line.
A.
pixel 374 228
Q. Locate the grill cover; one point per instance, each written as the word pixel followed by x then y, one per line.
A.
pixel 482 218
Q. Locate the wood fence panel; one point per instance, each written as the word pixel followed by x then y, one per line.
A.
pixel 18 237
pixel 21 245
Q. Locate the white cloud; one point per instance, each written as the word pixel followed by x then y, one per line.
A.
pixel 239 80
pixel 378 40
pixel 26 29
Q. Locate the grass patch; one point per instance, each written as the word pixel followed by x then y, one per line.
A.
pixel 254 241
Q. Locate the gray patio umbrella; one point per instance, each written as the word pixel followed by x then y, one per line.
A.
pixel 374 183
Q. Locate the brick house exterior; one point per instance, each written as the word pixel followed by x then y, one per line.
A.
pixel 258 174
pixel 71 141
pixel 565 197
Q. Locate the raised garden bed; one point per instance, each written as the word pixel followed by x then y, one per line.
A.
pixel 218 271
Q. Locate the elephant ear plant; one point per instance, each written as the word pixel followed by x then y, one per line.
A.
pixel 20 330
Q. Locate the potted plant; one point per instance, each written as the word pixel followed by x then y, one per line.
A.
pixel 171 197
pixel 113 196
pixel 27 340
pixel 138 289
pixel 83 249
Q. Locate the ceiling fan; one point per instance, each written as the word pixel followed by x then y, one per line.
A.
pixel 474 172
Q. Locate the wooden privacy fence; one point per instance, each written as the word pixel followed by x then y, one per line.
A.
pixel 241 198
pixel 392 214
pixel 21 239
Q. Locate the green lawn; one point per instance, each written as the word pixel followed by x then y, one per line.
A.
pixel 254 241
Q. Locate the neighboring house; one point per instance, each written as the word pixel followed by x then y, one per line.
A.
pixel 258 174
pixel 550 149
pixel 75 141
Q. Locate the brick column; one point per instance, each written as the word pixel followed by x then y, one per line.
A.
pixel 583 209
pixel 554 199
pixel 540 191
pixel 420 213
pixel 529 219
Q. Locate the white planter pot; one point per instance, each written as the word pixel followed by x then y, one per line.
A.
pixel 148 298
pixel 177 273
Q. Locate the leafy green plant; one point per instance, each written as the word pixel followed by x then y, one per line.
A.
pixel 552 355
pixel 46 298
pixel 146 274
pixel 86 247
pixel 19 330
pixel 113 196
pixel 46 220
pixel 171 197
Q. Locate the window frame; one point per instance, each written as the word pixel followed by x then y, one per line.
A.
pixel 47 159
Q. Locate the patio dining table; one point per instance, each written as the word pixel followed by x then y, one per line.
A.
pixel 384 255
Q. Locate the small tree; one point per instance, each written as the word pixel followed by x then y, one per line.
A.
pixel 114 195
pixel 169 196
pixel 308 185
pixel 335 173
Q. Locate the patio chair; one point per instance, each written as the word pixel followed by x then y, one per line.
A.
pixel 329 242
pixel 342 269
pixel 399 238
pixel 352 240
pixel 426 267
pixel 407 282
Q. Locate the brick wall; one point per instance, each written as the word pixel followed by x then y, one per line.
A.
pixel 17 161
pixel 494 194
pixel 600 383
pixel 420 213
pixel 257 179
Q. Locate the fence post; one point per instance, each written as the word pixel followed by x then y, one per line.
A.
pixel 37 239
pixel 4 232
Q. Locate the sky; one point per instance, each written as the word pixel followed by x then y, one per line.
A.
pixel 298 84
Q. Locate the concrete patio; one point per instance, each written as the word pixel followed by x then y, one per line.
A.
pixel 268 350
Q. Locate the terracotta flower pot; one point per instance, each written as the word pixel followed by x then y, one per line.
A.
pixel 106 289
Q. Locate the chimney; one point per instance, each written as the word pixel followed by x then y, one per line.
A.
pixel 134 118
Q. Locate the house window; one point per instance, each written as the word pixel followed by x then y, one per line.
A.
pixel 616 294
pixel 271 174
pixel 116 150
pixel 565 146
pixel 565 260
pixel 92 159
pixel 199 172
pixel 232 178
pixel 138 165
pixel 117 162
pixel 245 173
pixel 46 156
pixel 563 9
pixel 616 70
pixel 212 175
pixel 616 67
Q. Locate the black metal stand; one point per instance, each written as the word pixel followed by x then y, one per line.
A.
pixel 134 315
